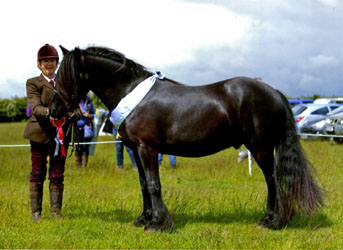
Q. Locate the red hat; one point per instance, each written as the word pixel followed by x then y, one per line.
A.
pixel 47 52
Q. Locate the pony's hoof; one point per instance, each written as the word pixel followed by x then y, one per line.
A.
pixel 168 222
pixel 140 221
pixel 155 226
pixel 270 224
pixel 262 226
pixel 271 220
pixel 148 229
pixel 152 227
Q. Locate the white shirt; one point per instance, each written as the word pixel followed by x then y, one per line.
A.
pixel 48 79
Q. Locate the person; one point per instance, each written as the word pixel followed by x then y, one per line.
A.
pixel 242 154
pixel 84 131
pixel 172 160
pixel 28 111
pixel 120 152
pixel 99 118
pixel 41 134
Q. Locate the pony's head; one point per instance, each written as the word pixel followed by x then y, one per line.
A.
pixel 106 72
pixel 70 76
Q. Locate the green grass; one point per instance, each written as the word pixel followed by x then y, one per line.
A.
pixel 214 201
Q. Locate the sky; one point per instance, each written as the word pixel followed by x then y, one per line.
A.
pixel 294 46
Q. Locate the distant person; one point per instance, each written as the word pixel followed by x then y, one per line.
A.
pixel 259 79
pixel 172 160
pixel 84 131
pixel 99 117
pixel 39 91
pixel 28 111
pixel 120 152
pixel 242 154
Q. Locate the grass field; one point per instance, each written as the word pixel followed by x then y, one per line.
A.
pixel 214 201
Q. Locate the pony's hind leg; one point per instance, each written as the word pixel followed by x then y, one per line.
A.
pixel 161 219
pixel 271 219
pixel 147 206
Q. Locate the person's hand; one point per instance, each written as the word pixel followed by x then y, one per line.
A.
pixel 81 108
pixel 87 114
pixel 75 116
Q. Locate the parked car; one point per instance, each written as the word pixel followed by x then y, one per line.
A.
pixel 338 100
pixel 294 102
pixel 317 125
pixel 334 126
pixel 306 115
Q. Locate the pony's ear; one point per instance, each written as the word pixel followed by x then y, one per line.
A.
pixel 64 50
pixel 77 52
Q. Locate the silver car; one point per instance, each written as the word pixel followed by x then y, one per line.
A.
pixel 334 126
pixel 317 125
pixel 308 114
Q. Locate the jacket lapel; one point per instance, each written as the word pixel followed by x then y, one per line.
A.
pixel 44 81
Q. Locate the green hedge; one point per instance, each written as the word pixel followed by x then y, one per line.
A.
pixel 13 109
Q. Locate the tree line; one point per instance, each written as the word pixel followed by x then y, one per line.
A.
pixel 14 109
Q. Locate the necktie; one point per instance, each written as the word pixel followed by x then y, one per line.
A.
pixel 52 83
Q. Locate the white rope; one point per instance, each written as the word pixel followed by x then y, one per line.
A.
pixel 249 159
pixel 15 146
pixel 320 135
pixel 105 142
pixel 81 143
pixel 246 153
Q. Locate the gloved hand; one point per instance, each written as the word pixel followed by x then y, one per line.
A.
pixel 75 115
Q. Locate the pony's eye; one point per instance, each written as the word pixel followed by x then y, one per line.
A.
pixel 81 75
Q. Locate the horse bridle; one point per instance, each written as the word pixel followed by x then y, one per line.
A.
pixel 73 104
pixel 120 68
pixel 70 106
pixel 69 114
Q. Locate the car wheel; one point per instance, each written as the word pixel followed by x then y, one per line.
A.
pixel 338 140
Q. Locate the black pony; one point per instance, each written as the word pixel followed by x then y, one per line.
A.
pixel 194 121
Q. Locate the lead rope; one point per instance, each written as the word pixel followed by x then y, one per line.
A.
pixel 58 124
pixel 72 139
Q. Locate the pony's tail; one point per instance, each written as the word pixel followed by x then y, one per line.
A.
pixel 297 190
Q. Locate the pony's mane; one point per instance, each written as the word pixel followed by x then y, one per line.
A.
pixel 116 57
pixel 66 77
pixel 67 74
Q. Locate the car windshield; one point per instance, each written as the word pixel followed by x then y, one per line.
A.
pixel 336 111
pixel 298 109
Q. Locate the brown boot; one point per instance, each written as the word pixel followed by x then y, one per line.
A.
pixel 56 197
pixel 77 161
pixel 36 198
pixel 84 160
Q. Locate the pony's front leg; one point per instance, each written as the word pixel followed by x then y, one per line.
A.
pixel 147 206
pixel 161 218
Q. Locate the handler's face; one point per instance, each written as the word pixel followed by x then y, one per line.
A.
pixel 48 67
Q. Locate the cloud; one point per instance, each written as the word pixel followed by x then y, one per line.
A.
pixel 12 88
pixel 149 32
pixel 309 82
pixel 320 61
pixel 332 3
pixel 286 42
pixel 173 31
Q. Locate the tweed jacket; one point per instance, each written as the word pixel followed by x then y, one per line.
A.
pixel 39 92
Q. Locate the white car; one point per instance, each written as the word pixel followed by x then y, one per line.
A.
pixel 338 100
pixel 334 125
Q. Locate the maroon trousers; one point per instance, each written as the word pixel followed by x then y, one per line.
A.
pixel 39 153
